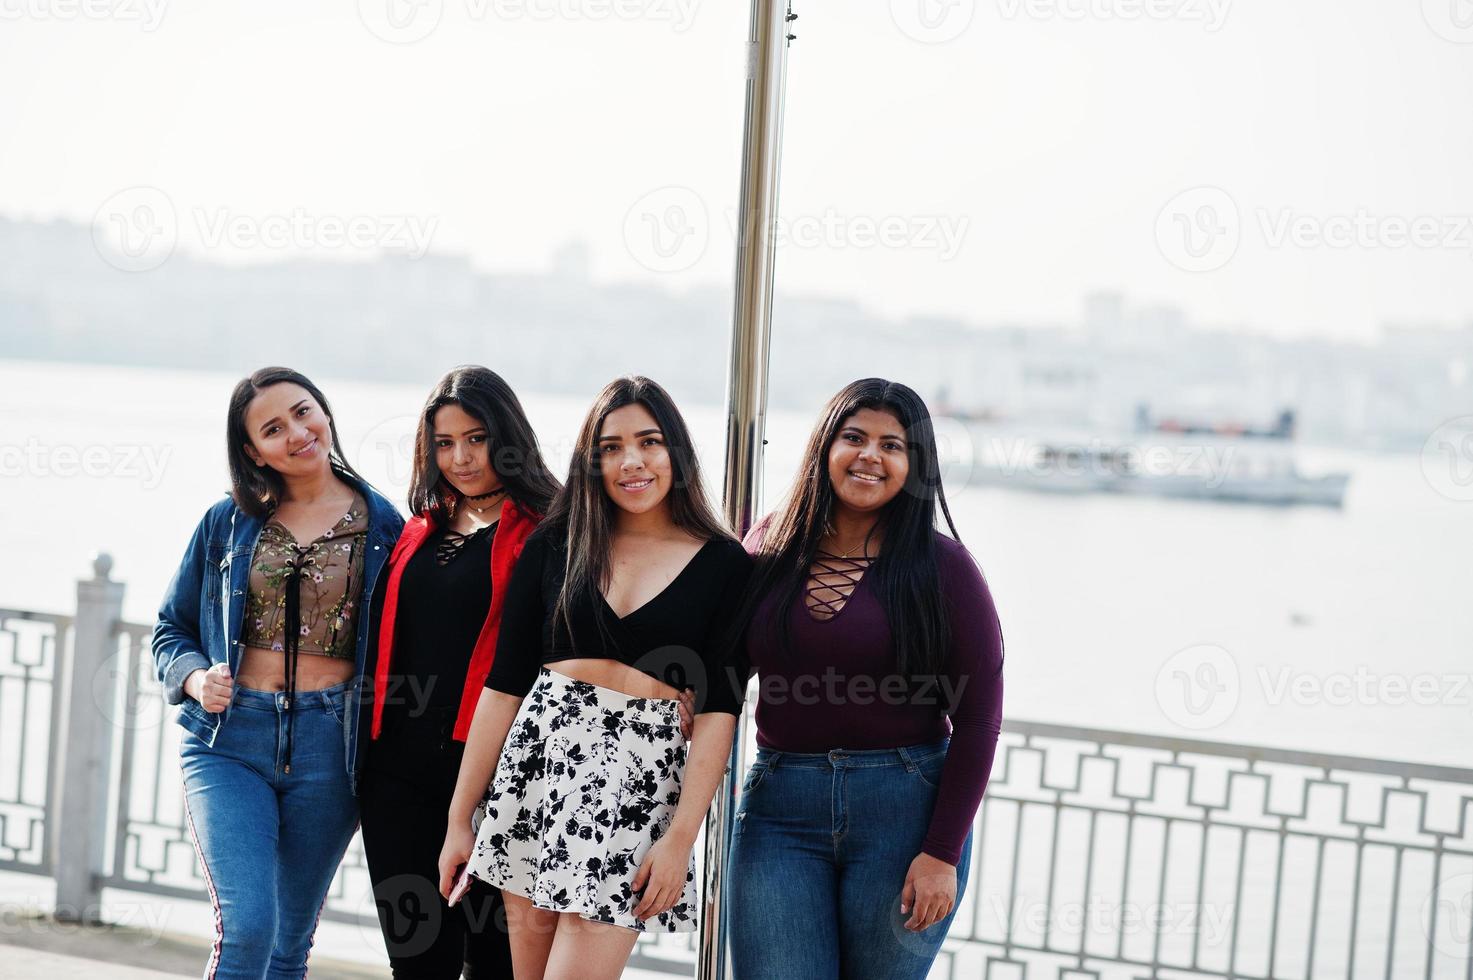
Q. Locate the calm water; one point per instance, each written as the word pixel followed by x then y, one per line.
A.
pixel 1096 593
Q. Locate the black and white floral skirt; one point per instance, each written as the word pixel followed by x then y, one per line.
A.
pixel 588 780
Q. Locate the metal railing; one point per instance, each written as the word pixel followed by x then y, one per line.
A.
pixel 1096 853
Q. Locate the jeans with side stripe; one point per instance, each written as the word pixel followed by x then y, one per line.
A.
pixel 269 841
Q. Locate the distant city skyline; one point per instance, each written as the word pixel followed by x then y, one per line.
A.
pixel 1285 169
pixel 65 296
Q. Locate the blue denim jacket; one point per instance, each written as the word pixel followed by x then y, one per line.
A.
pixel 200 621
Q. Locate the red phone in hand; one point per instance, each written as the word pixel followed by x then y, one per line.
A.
pixel 462 885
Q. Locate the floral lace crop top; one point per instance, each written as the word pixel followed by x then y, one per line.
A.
pixel 327 570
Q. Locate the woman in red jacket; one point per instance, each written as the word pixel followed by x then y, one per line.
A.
pixel 479 488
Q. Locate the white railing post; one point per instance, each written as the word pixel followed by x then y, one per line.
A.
pixel 78 838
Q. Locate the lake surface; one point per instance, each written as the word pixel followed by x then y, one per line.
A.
pixel 1335 630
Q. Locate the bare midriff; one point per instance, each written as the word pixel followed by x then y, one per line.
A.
pixel 614 676
pixel 265 670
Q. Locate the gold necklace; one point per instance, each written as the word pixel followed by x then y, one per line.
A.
pixel 849 554
pixel 482 496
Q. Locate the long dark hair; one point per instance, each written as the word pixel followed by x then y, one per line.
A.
pixel 257 490
pixel 584 515
pixel 905 576
pixel 511 446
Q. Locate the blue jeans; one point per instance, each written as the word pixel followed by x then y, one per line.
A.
pixel 269 841
pixel 820 848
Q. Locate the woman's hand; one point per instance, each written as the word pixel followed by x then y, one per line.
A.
pixel 460 840
pixel 662 876
pixel 211 688
pixel 687 712
pixel 929 893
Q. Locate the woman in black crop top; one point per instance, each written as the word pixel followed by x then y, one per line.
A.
pixel 627 594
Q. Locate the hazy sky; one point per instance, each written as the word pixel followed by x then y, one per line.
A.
pixel 1295 165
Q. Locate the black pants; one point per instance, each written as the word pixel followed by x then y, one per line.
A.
pixel 405 790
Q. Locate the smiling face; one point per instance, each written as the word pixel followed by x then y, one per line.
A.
pixel 288 431
pixel 462 451
pixel 868 462
pixel 633 459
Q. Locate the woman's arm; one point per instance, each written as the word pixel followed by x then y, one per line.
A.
pixel 972 696
pixel 494 715
pixel 662 873
pixel 513 672
pixel 177 646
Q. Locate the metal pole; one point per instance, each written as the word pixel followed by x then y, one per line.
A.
pixel 746 394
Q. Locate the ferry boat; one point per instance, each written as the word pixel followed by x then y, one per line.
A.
pixel 1219 461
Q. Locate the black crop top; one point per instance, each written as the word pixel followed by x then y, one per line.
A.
pixel 686 636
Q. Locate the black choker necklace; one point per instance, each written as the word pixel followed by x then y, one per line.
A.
pixel 494 493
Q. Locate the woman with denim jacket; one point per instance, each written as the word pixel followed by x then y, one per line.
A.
pixel 261 640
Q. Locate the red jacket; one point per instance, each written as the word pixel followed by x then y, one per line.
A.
pixel 506 546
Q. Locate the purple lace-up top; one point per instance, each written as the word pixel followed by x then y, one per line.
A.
pixel 842 652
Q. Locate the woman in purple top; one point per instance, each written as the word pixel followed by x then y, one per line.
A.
pixel 879 657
